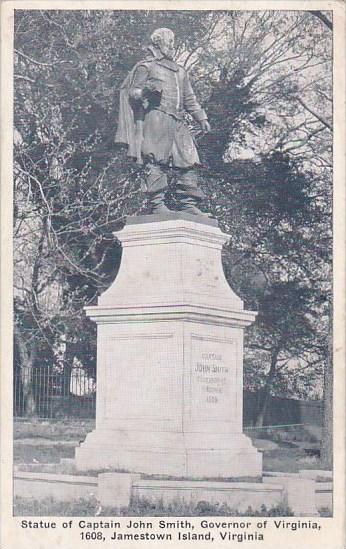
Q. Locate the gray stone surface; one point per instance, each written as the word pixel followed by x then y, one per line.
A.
pixel 59 487
pixel 115 489
pixel 135 220
pixel 304 497
pixel 300 493
pixel 324 495
pixel 170 359
pixel 316 473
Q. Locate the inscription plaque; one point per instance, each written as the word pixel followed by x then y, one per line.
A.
pixel 213 372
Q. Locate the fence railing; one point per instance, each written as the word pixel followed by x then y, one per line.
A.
pixel 50 394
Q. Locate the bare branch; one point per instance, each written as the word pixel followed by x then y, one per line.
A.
pixel 318 116
pixel 22 77
pixel 322 18
pixel 40 63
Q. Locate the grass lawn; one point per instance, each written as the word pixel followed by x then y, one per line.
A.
pixel 44 454
pixel 289 449
pixel 47 442
pixel 289 460
pixel 53 430
pixel 91 507
pixel 142 508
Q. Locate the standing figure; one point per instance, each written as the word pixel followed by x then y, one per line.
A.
pixel 152 102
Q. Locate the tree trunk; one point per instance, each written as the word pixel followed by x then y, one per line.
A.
pixel 327 425
pixel 67 363
pixel 28 393
pixel 265 392
pixel 67 372
pixel 27 362
pixel 262 405
pixel 28 351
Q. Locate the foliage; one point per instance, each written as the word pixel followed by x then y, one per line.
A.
pixel 140 507
pixel 265 80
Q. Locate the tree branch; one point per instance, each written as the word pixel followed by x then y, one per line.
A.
pixel 319 117
pixel 22 77
pixel 322 18
pixel 40 63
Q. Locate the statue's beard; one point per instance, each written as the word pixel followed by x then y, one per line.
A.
pixel 167 51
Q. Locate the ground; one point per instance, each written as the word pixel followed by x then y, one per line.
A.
pixel 47 441
pixel 90 507
pixel 40 445
pixel 284 450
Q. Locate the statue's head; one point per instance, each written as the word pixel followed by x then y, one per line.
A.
pixel 163 39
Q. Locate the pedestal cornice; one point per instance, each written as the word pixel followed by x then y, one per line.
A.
pixel 184 312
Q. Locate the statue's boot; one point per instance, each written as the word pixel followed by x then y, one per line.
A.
pixel 189 193
pixel 157 203
pixel 189 204
pixel 156 184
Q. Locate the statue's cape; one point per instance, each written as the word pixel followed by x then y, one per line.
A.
pixel 126 124
pixel 126 130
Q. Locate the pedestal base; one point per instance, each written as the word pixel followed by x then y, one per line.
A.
pixel 170 359
pixel 104 449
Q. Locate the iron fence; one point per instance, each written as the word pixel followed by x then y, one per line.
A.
pixel 50 394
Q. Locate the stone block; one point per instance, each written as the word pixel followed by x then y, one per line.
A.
pixel 60 487
pixel 299 493
pixel 316 473
pixel 115 489
pixel 324 495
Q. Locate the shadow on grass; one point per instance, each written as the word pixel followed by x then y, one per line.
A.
pixel 45 454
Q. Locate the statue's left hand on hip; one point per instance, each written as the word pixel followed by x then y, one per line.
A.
pixel 205 126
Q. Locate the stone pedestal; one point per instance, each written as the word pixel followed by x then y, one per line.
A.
pixel 170 357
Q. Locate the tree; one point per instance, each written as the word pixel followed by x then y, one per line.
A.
pixel 286 345
pixel 266 91
pixel 265 80
pixel 72 188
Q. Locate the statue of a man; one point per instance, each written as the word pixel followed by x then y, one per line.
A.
pixel 152 102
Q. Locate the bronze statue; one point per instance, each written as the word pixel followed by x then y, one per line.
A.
pixel 152 102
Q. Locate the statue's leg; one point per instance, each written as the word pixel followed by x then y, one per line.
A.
pixel 156 186
pixel 188 192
